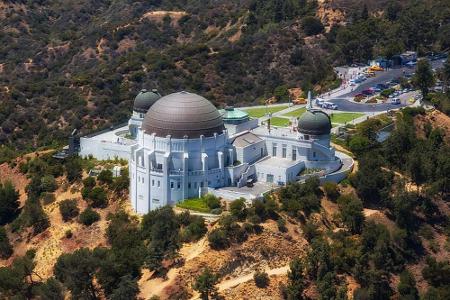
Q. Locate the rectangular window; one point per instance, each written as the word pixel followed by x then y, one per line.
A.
pixel 189 185
pixel 153 182
pixel 314 154
pixel 274 149
pixel 294 154
pixel 283 151
pixel 201 184
pixel 195 185
pixel 178 185
pixel 159 183
pixel 171 184
pixel 306 137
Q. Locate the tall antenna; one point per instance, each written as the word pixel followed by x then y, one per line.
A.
pixel 309 106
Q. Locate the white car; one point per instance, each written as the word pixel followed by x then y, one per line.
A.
pixel 395 101
pixel 329 105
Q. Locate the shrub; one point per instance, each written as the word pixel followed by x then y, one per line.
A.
pixel 237 209
pixel 68 234
pixel 195 230
pixel 48 183
pixel 281 225
pixel 68 209
pixel 9 202
pixel 98 197
pixel 312 25
pixel 89 216
pixel 218 239
pixel 216 211
pixel 74 169
pixel 48 198
pixel 105 176
pixel 331 190
pixel 351 212
pixel 89 182
pixel 261 279
pixel 5 247
pixel 212 201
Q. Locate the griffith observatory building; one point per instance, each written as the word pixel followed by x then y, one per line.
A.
pixel 180 146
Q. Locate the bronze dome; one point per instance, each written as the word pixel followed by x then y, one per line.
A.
pixel 182 115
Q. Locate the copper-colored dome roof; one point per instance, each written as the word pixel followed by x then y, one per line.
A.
pixel 183 114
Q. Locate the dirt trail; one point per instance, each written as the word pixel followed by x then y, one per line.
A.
pixel 155 287
pixel 244 278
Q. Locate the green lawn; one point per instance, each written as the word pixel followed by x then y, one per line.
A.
pixel 343 118
pixel 296 113
pixel 197 204
pixel 261 111
pixel 281 122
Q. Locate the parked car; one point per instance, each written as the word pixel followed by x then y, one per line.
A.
pixel 319 102
pixel 367 92
pixel 395 100
pixel 329 105
pixel 381 86
pixel 375 89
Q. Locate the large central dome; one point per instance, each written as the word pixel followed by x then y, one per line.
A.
pixel 183 114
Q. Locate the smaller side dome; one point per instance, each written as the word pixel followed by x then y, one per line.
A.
pixel 231 115
pixel 314 122
pixel 145 99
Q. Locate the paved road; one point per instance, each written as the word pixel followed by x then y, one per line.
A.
pixel 346 105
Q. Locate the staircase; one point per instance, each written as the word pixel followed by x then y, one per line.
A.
pixel 244 176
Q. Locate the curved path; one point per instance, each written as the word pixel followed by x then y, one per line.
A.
pixel 350 106
pixel 244 278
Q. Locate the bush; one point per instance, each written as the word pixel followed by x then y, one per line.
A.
pixel 216 211
pixel 98 197
pixel 68 234
pixel 281 225
pixel 331 190
pixel 68 209
pixel 237 209
pixel 105 176
pixel 387 92
pixel 48 198
pixel 212 201
pixel 5 247
pixel 351 212
pixel 312 25
pixel 48 183
pixel 9 202
pixel 218 239
pixel 261 279
pixel 89 216
pixel 89 183
pixel 195 230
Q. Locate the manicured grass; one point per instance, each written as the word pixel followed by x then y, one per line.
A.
pixel 281 122
pixel 261 111
pixel 296 113
pixel 343 118
pixel 197 204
